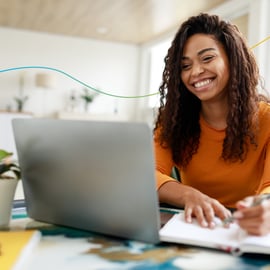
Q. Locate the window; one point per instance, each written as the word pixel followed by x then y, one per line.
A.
pixel 157 55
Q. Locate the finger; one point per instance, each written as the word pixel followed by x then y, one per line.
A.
pixel 198 212
pixel 209 216
pixel 221 211
pixel 188 214
pixel 253 226
pixel 247 202
pixel 249 213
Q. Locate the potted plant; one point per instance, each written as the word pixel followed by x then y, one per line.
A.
pixel 10 174
pixel 20 101
pixel 88 98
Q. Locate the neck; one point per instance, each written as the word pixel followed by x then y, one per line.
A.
pixel 215 115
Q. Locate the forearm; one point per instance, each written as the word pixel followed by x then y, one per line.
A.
pixel 173 193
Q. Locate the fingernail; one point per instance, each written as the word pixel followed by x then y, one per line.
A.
pixel 212 225
pixel 237 214
pixel 204 224
pixel 188 220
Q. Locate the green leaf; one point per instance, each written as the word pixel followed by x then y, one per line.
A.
pixel 8 166
pixel 4 154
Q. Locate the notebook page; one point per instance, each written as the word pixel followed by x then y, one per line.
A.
pixel 262 242
pixel 179 231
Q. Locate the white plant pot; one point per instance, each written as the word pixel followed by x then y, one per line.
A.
pixel 7 192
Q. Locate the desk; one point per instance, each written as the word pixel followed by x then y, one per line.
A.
pixel 71 249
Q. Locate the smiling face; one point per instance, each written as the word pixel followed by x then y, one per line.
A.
pixel 205 68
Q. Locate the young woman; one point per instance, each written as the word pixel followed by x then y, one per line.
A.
pixel 212 124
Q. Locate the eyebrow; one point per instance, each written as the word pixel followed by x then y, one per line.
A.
pixel 200 52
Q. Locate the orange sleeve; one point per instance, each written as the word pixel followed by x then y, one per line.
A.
pixel 164 164
pixel 265 180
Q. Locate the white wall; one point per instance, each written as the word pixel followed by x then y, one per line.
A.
pixel 111 67
pixel 259 30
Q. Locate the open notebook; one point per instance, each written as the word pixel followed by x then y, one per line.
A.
pixel 99 176
pixel 233 239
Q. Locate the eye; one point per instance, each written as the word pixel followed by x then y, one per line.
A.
pixel 185 66
pixel 207 58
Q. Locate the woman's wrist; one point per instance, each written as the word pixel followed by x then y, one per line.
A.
pixel 174 193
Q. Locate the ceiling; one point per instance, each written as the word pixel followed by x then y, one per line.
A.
pixel 132 21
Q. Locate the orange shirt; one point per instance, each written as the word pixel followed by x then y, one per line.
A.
pixel 207 172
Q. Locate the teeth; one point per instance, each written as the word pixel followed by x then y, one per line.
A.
pixel 202 83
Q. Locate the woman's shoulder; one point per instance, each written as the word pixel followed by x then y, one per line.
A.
pixel 264 108
pixel 264 115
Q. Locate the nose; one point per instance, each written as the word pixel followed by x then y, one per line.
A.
pixel 197 69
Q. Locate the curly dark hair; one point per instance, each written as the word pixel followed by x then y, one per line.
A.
pixel 179 112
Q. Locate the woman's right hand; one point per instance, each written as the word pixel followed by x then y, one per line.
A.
pixel 196 204
pixel 254 219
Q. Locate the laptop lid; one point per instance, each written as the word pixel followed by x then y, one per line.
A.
pixel 96 176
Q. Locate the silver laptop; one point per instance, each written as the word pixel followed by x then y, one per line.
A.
pixel 96 176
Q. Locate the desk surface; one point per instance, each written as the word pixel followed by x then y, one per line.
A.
pixel 70 249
